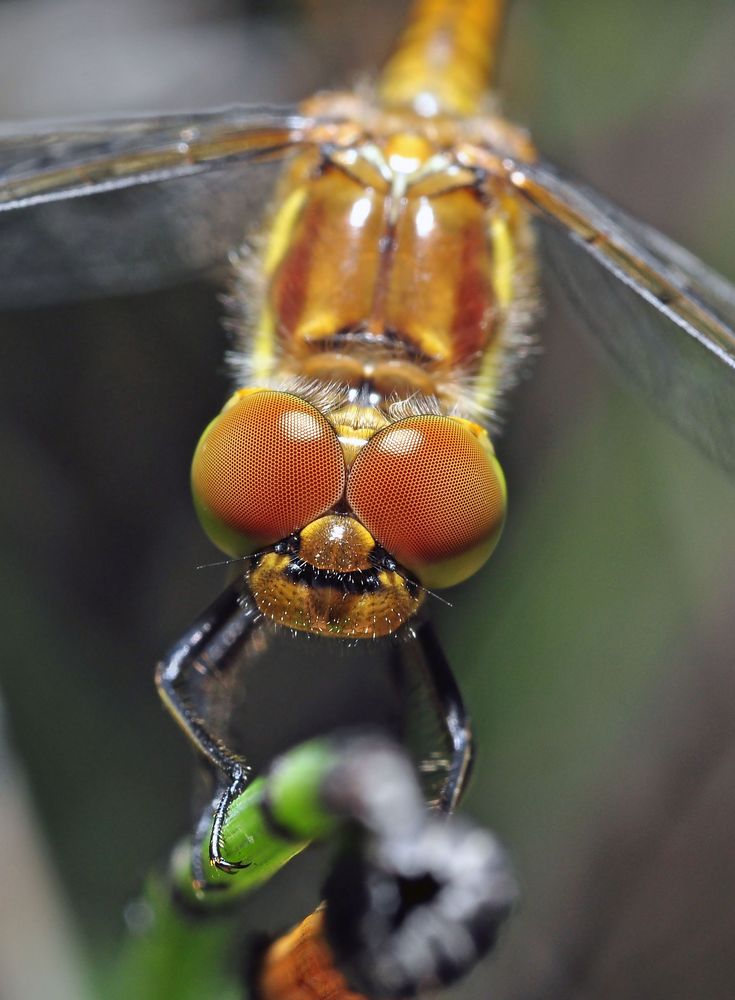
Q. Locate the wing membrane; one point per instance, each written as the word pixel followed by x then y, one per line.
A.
pixel 173 194
pixel 65 161
pixel 663 317
pixel 130 240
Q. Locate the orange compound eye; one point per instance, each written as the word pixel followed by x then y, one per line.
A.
pixel 266 466
pixel 431 491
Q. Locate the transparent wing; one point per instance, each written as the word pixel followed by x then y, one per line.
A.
pixel 172 194
pixel 65 160
pixel 663 317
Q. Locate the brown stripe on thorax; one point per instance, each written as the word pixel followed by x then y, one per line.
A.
pixel 404 263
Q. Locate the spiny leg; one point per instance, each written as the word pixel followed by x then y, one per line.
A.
pixel 218 636
pixel 206 648
pixel 418 658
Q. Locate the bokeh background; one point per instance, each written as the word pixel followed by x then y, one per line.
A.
pixel 596 650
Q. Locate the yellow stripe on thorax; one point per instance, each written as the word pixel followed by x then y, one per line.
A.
pixel 505 249
pixel 263 349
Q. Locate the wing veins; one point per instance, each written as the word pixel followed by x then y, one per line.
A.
pixel 680 304
pixel 117 154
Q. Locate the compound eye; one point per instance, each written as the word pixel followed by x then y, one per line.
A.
pixel 431 491
pixel 266 466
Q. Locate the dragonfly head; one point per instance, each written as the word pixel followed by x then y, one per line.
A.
pixel 346 540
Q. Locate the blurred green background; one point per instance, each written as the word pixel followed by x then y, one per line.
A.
pixel 595 651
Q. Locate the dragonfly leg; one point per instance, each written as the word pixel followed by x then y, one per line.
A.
pixel 422 656
pixel 210 831
pixel 205 648
pixel 236 786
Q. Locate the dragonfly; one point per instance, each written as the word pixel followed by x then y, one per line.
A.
pixel 682 337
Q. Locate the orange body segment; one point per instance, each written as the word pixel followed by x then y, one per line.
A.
pixel 300 966
pixel 325 278
pixel 445 238
pixel 445 59
pixel 406 259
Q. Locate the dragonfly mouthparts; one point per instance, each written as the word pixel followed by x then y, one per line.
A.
pixel 332 579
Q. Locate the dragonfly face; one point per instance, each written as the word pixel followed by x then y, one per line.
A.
pixel 213 408
pixel 340 499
